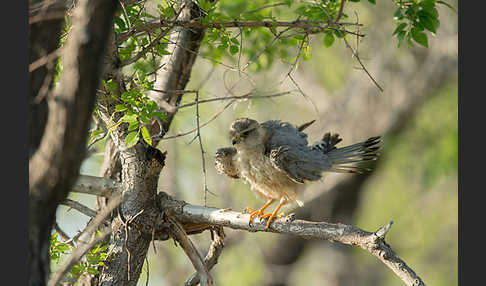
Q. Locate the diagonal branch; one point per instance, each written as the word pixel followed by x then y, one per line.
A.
pixel 215 250
pixel 178 233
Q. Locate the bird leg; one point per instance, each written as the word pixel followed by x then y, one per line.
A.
pixel 258 212
pixel 274 213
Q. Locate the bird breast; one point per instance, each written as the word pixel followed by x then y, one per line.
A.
pixel 266 180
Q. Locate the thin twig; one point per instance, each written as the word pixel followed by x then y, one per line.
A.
pixel 203 159
pixel 233 100
pixel 340 12
pixel 361 64
pixel 316 110
pixel 245 96
pixel 146 49
pixel 79 207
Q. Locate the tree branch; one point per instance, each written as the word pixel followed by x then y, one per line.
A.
pixel 178 233
pixel 215 250
pixel 372 242
pixel 79 207
pixel 97 186
pixel 205 217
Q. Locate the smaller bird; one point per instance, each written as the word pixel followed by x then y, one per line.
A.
pixel 275 158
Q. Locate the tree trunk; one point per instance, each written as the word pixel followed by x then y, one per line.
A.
pixel 57 143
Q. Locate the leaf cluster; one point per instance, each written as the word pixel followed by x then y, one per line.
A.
pixel 414 18
pixel 88 265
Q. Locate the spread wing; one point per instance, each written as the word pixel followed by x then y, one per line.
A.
pixel 224 162
pixel 288 150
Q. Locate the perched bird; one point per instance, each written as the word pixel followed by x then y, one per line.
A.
pixel 275 158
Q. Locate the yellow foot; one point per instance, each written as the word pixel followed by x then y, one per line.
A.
pixel 258 212
pixel 253 214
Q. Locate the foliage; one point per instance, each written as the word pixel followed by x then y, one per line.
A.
pixel 413 18
pixel 260 45
pixel 138 110
pixel 88 265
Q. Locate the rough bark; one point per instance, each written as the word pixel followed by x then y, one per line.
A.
pixel 175 74
pixel 136 222
pixel 56 158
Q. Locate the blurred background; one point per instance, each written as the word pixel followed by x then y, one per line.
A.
pixel 414 183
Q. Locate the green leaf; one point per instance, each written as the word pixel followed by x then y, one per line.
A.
pixel 131 139
pixel 399 28
pixel 130 118
pixel 427 5
pixel 146 135
pixel 234 49
pixel 120 108
pixel 428 21
pixel 133 126
pixel 328 40
pixel 372 1
pixel 92 271
pixel 235 41
pixel 419 37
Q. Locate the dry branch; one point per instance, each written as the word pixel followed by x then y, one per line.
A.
pixel 79 207
pixel 178 233
pixel 373 242
pixel 215 250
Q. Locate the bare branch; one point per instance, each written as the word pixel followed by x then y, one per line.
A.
pixel 361 64
pixel 97 186
pixel 215 250
pixel 79 207
pixel 180 236
pixel 244 96
pixel 373 242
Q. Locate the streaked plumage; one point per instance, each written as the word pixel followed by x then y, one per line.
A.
pixel 275 158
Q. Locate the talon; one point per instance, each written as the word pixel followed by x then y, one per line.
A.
pixel 274 213
pixel 258 212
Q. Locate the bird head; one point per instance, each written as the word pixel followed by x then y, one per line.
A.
pixel 245 132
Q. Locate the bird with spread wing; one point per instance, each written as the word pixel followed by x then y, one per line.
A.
pixel 275 158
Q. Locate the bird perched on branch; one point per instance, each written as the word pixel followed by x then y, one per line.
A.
pixel 275 158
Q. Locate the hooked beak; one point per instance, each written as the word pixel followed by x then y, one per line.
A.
pixel 234 140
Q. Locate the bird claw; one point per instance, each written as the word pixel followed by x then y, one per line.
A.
pixel 254 213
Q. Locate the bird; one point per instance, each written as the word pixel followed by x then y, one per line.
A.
pixel 275 158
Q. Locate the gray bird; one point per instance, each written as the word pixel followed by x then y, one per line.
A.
pixel 275 158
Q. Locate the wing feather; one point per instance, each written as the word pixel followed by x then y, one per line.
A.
pixel 288 150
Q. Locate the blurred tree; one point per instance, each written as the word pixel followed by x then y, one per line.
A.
pixel 139 66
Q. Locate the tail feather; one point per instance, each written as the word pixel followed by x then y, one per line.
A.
pixel 352 154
